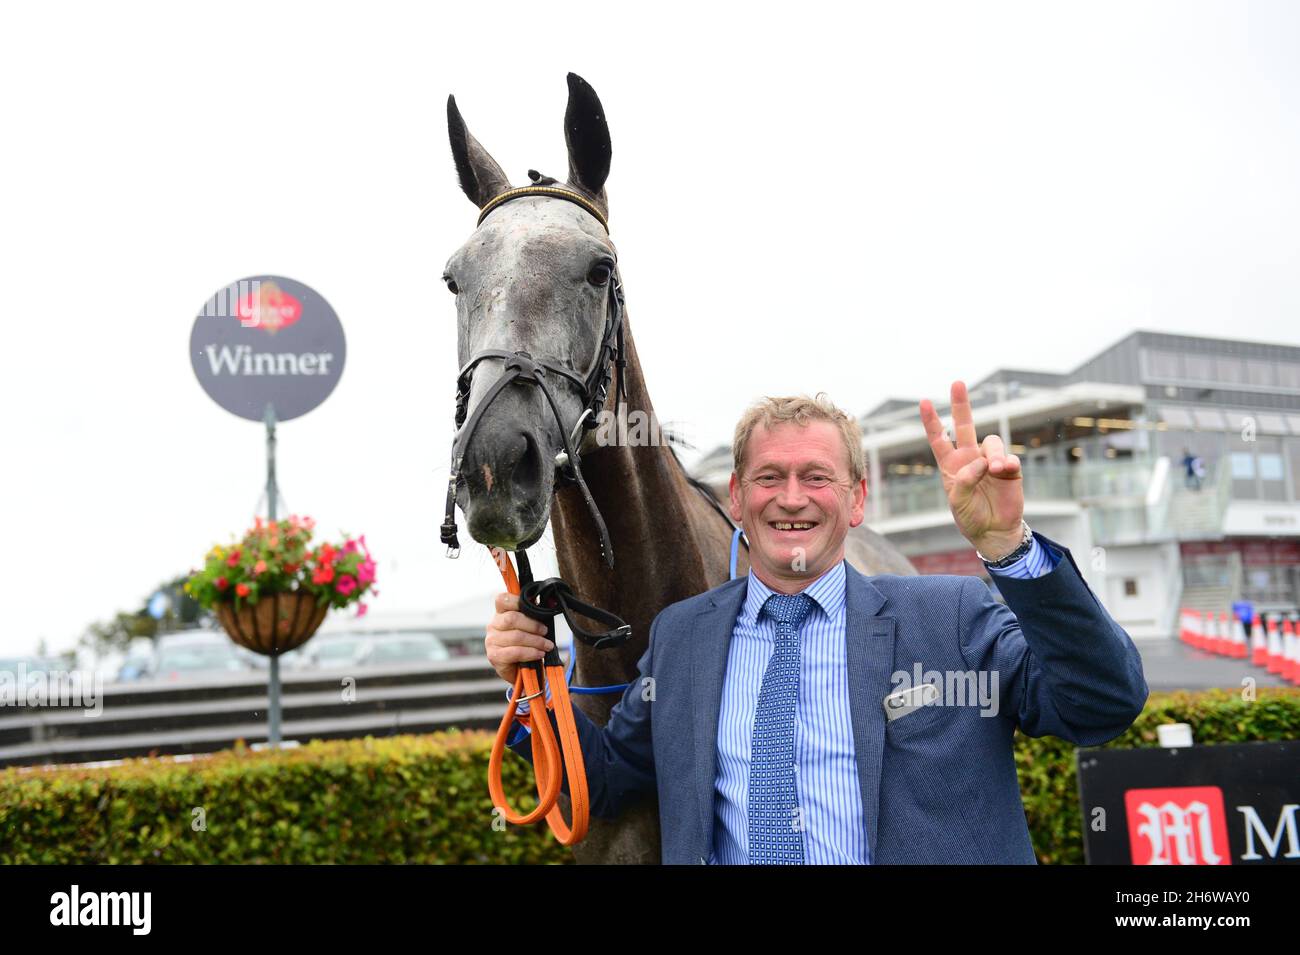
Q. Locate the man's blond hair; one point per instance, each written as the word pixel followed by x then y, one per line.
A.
pixel 800 409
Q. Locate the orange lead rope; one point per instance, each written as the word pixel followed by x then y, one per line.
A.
pixel 551 757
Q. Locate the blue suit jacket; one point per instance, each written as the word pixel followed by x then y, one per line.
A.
pixel 938 785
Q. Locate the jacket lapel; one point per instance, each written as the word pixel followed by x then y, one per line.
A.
pixel 709 647
pixel 870 639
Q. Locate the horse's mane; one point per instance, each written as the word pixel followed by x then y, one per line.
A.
pixel 674 440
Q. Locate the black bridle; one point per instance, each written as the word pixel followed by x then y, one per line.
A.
pixel 521 366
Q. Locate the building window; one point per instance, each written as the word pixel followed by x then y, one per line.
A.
pixel 1260 372
pixel 1288 374
pixel 1229 370
pixel 1272 471
pixel 1199 367
pixel 1163 364
pixel 1244 484
pixel 1293 457
pixel 1130 587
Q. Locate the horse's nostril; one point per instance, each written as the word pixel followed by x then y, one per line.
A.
pixel 528 469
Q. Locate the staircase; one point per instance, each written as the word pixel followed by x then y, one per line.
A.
pixel 1198 515
pixel 1216 599
pixel 1195 515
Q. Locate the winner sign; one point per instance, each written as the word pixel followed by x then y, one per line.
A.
pixel 267 340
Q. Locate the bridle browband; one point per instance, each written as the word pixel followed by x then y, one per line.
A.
pixel 521 366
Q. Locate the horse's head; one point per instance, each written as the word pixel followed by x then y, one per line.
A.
pixel 537 276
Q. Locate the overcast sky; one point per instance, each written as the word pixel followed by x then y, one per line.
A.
pixel 869 200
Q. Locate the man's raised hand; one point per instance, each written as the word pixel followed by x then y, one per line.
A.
pixel 984 485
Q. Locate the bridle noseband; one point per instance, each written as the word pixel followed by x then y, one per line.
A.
pixel 521 366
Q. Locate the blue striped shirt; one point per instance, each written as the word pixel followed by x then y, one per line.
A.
pixel 826 776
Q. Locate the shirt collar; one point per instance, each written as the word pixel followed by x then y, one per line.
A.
pixel 827 592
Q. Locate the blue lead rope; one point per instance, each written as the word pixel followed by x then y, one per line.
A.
pixel 568 678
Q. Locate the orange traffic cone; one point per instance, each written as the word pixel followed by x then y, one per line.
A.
pixel 1275 646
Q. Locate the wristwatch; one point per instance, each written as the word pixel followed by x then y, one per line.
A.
pixel 1026 544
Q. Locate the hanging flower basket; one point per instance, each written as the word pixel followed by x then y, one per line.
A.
pixel 275 624
pixel 272 590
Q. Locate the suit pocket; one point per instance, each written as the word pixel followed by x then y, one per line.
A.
pixel 932 718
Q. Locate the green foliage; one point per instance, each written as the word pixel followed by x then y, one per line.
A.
pixel 400 799
pixel 1049 781
pixel 118 632
pixel 424 799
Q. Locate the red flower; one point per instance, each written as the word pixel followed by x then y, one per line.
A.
pixel 323 575
pixel 366 571
pixel 233 560
pixel 290 568
pixel 241 589
pixel 222 583
pixel 327 554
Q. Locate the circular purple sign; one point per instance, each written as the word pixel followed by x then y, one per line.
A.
pixel 267 340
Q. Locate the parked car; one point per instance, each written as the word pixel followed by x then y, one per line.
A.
pixel 392 648
pixel 334 650
pixel 31 664
pixel 138 661
pixel 194 655
pixel 293 660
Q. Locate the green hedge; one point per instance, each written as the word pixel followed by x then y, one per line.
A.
pixel 409 799
pixel 423 799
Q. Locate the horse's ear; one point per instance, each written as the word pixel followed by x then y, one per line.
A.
pixel 480 175
pixel 587 136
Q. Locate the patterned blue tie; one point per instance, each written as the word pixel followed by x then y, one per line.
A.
pixel 775 830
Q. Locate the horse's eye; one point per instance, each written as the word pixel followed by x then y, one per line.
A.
pixel 599 273
pixel 451 285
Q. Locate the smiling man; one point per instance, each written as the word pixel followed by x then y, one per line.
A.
pixel 777 731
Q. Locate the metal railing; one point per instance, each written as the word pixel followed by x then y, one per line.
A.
pixel 1083 482
pixel 139 719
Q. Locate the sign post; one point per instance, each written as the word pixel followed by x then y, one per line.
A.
pixel 268 349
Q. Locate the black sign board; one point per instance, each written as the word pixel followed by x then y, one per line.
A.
pixel 1233 804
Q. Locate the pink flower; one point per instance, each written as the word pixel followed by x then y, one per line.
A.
pixel 362 538
pixel 350 547
pixel 361 610
pixel 366 571
pixel 346 584
pixel 259 567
